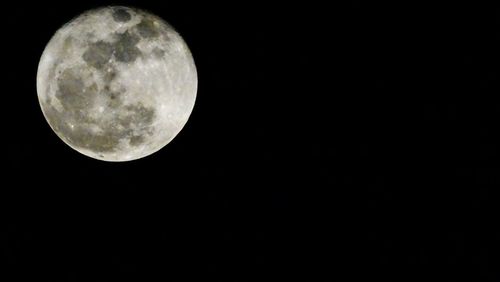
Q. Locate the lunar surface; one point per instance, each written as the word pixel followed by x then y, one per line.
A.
pixel 116 83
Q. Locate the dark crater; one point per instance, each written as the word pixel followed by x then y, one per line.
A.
pixel 120 14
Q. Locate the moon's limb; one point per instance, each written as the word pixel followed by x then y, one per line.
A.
pixel 116 83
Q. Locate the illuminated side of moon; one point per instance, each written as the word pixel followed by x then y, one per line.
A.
pixel 116 83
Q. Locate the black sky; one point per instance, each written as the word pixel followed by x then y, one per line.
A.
pixel 326 140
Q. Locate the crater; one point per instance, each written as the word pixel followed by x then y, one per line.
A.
pixel 120 14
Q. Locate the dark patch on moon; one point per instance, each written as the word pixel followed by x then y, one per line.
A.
pixel 67 46
pixel 78 99
pixel 72 92
pixel 72 95
pixel 147 28
pixel 114 99
pixel 138 115
pixel 113 95
pixel 120 14
pixel 158 53
pixel 136 140
pixel 109 75
pixel 125 49
pixel 81 135
pixel 98 54
pixel 107 140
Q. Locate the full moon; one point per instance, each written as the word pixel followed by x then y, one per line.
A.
pixel 116 83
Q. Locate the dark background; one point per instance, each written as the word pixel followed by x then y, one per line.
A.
pixel 327 143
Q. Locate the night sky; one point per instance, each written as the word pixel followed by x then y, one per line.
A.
pixel 327 141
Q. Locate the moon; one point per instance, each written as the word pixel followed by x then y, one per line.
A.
pixel 116 83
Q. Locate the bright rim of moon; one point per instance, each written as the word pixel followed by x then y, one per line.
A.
pixel 116 83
